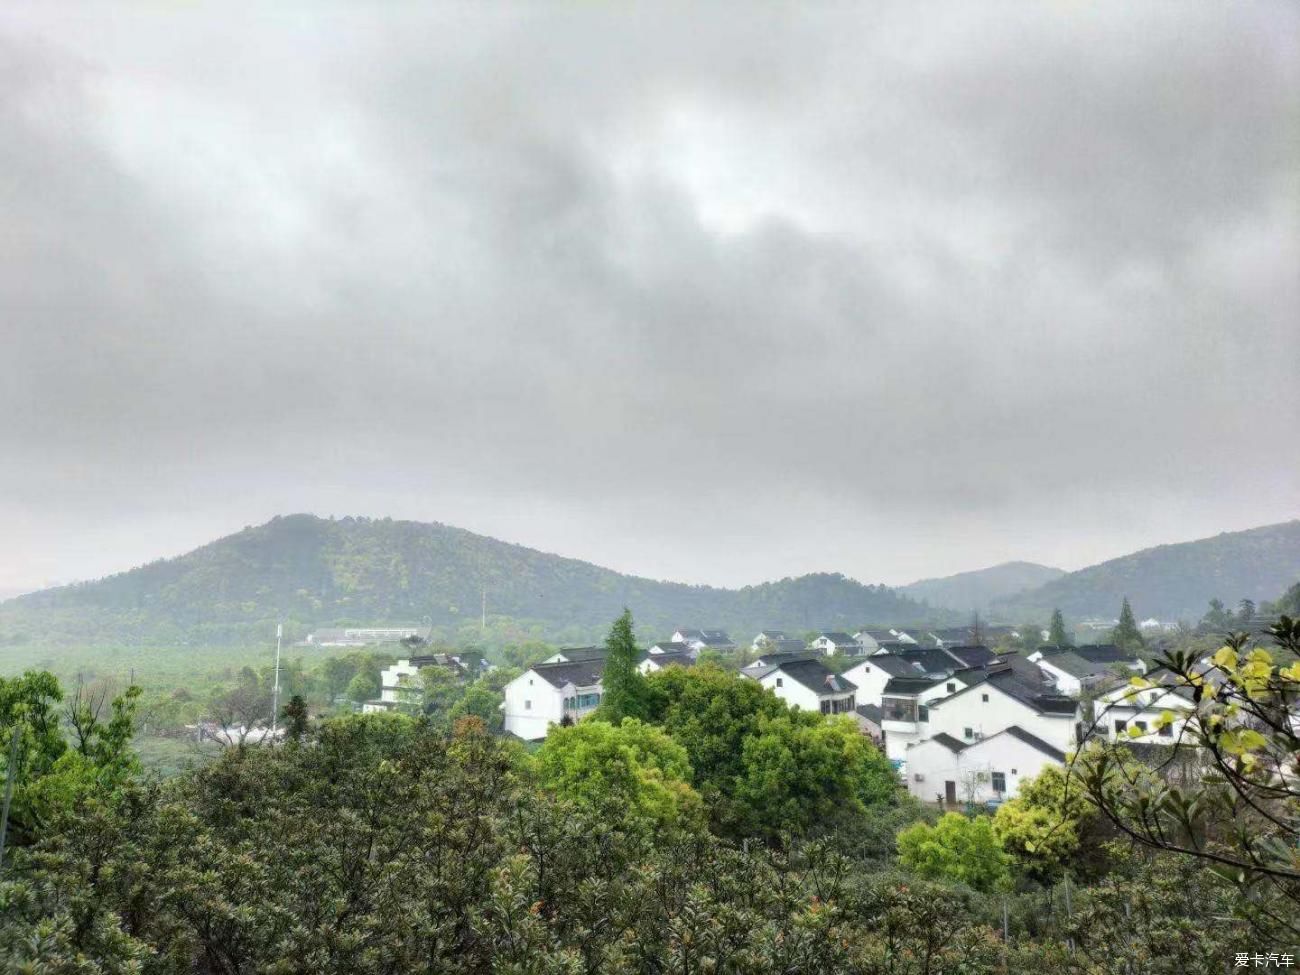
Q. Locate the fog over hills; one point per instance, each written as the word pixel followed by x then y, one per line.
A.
pixel 977 588
pixel 1173 581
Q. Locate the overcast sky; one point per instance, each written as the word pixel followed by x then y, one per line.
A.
pixel 716 295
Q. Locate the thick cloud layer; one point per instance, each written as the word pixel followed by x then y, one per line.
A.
pixel 715 295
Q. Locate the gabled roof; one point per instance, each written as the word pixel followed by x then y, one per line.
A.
pixel 789 646
pixel 814 675
pixel 1102 653
pixel 688 634
pixel 1015 731
pixel 839 639
pixel 783 656
pixel 574 654
pixel 670 646
pixel 930 661
pixel 1074 665
pixel 891 664
pixel 895 646
pixel 771 635
pixel 581 673
pixel 1024 688
pixel 679 659
pixel 871 712
pixel 911 685
pixel 973 655
pixel 877 633
pixel 948 741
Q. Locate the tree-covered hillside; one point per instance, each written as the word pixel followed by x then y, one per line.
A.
pixel 313 571
pixel 1173 581
pixel 978 588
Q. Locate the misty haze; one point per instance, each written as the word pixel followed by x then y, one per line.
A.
pixel 648 488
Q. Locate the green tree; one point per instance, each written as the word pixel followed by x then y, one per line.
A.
pixel 625 694
pixel 632 769
pixel 439 688
pixel 804 773
pixel 1126 634
pixel 1245 610
pixel 1217 618
pixel 480 700
pixel 957 849
pixel 336 672
pixel 1057 635
pixel 295 718
pixel 364 686
pixel 1051 828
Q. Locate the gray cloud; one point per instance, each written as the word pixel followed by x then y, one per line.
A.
pixel 716 295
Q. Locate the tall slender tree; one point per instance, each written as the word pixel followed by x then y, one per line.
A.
pixel 625 692
pixel 1126 634
pixel 1057 635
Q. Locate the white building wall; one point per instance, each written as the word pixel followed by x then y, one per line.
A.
pixel 791 691
pixel 935 765
pixel 986 718
pixel 1131 705
pixel 1065 683
pixel 871 680
pixel 532 704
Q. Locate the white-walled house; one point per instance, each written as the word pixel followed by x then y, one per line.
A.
pixel 400 685
pixel 652 662
pixel 1124 706
pixel 1073 669
pixel 830 643
pixel 991 768
pixel 573 655
pixel 1005 697
pixel 807 684
pixel 704 639
pixel 542 695
pixel 767 639
pixel 873 673
pixel 671 646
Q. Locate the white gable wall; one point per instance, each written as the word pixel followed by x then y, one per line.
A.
pixel 986 718
pixel 1065 683
pixel 973 766
pixel 791 691
pixel 871 680
pixel 533 704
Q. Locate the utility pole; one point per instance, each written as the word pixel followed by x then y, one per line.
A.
pixel 275 690
pixel 10 775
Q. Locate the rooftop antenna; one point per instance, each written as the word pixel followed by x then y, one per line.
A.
pixel 275 691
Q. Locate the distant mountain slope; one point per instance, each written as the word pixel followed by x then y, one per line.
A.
pixel 977 588
pixel 315 571
pixel 1173 581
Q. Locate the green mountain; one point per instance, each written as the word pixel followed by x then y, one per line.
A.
pixel 312 571
pixel 1172 581
pixel 978 588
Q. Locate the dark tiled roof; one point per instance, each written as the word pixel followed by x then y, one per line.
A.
pixel 1103 653
pixel 790 646
pixel 771 634
pixel 784 656
pixel 1024 687
pixel 971 656
pixel 575 654
pixel 910 685
pixel 930 661
pixel 688 634
pixel 839 639
pixel 681 659
pixel 582 673
pixel 948 741
pixel 816 676
pixel 669 646
pixel 890 664
pixel 870 711
pixel 1015 731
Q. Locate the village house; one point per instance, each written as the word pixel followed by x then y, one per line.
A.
pixel 806 684
pixel 364 636
pixel 871 638
pixel 831 643
pixel 1119 707
pixel 1012 692
pixel 548 693
pixel 652 662
pixel 944 768
pixel 672 646
pixel 1074 669
pixel 704 639
pixel 400 685
pixel 767 638
pixel 869 721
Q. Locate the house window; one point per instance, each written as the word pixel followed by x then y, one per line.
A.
pixel 999 783
pixel 1166 731
pixel 530 682
pixel 984 698
pixel 1141 726
pixel 528 705
pixel 952 688
pixel 780 682
pixel 1014 772
pixel 969 733
pixel 826 707
pixel 1120 726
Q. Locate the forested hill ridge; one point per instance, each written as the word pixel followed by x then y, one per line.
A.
pixel 978 588
pixel 313 571
pixel 1173 582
